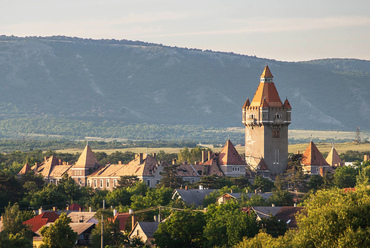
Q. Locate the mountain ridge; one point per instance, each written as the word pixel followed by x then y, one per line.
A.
pixel 139 82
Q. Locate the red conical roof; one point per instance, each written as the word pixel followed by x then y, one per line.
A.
pixel 287 104
pixel 266 73
pixel 246 104
pixel 229 155
pixel 266 90
pixel 312 156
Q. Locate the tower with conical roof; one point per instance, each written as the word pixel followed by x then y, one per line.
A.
pixel 85 165
pixel 266 121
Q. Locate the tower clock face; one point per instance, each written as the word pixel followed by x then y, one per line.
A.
pixel 276 133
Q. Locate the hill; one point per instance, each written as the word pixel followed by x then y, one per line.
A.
pixel 130 82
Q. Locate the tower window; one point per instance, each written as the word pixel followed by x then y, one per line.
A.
pixel 278 116
pixel 251 116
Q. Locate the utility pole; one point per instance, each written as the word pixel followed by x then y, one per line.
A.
pixel 102 225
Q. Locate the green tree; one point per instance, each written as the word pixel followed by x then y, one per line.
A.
pixel 262 183
pixel 315 182
pixel 59 234
pixel 15 233
pixel 69 187
pixel 182 229
pixel 127 181
pixel 227 225
pixel 170 179
pixel 345 177
pixel 273 226
pixel 281 198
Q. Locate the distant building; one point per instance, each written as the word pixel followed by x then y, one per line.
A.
pixel 145 231
pixel 333 158
pixel 266 121
pixel 313 163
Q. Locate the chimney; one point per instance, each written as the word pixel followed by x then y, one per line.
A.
pixel 295 205
pixel 67 207
pixel 45 158
pixel 40 210
pixel 141 158
pixel 366 157
pixel 322 171
pixel 273 205
pixel 204 156
pixel 2 218
pixel 256 191
pixel 79 209
pixel 133 219
pixel 231 191
pixel 174 161
pixel 90 209
pixel 196 163
pixel 67 163
pixel 209 155
pixel 154 155
pixel 114 212
pixel 119 162
pixel 54 209
pixel 155 218
pixel 186 187
pixel 200 187
pixel 36 164
pixel 60 161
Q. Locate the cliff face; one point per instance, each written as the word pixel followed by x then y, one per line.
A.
pixel 141 82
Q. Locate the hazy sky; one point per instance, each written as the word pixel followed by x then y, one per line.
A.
pixel 287 30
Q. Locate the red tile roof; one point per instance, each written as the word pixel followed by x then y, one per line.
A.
pixel 266 73
pixel 287 104
pixel 40 220
pixel 266 90
pixel 75 207
pixel 122 218
pixel 312 156
pixel 246 104
pixel 26 168
pixel 288 215
pixel 229 155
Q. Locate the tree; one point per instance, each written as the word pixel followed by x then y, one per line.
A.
pixel 264 240
pixel 227 225
pixel 281 198
pixel 15 233
pixel 59 234
pixel 345 177
pixel 273 226
pixel 69 187
pixel 334 218
pixel 170 179
pixel 315 182
pixel 127 181
pixel 263 183
pixel 182 229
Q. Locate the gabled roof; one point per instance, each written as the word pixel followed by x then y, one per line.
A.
pixel 79 228
pixel 266 90
pixel 229 155
pixel 333 158
pixel 192 196
pixel 87 159
pixel 75 207
pixel 59 170
pixel 82 217
pixel 122 218
pixel 26 168
pixel 186 170
pixel 46 167
pixel 148 228
pixel 40 220
pixel 265 212
pixel 312 156
pixel 287 214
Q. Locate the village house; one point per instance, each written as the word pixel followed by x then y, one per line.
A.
pixel 145 231
pixel 313 163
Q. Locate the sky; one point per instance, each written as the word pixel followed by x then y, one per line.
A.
pixel 285 30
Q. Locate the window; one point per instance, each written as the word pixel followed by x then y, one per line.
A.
pixel 157 182
pixel 51 180
pixel 114 182
pixel 276 156
pixel 89 183
pixel 95 183
pixel 251 116
pixel 148 182
pixel 101 183
pixel 107 183
pixel 236 168
pixel 278 116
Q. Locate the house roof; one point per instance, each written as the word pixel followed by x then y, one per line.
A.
pixel 122 218
pixel 75 207
pixel 312 156
pixel 84 217
pixel 239 195
pixel 59 170
pixel 333 158
pixel 46 167
pixel 287 104
pixel 265 212
pixel 266 91
pixel 229 155
pixel 149 228
pixel 287 214
pixel 192 196
pixel 87 159
pixel 40 220
pixel 186 170
pixel 79 228
pixel 26 168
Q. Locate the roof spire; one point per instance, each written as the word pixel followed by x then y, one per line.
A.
pixel 266 75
